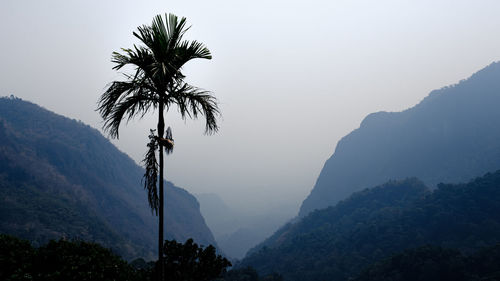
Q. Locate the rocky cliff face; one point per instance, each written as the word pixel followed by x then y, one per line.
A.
pixel 451 136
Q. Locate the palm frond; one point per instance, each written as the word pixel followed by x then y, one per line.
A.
pixel 145 34
pixel 187 51
pixel 174 29
pixel 164 39
pixel 138 57
pixel 168 35
pixel 117 90
pixel 150 178
pixel 124 100
pixel 193 102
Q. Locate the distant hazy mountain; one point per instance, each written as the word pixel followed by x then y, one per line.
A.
pixel 236 244
pixel 338 242
pixel 237 231
pixel 218 215
pixel 62 178
pixel 451 136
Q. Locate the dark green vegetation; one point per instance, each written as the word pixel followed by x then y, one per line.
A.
pixel 157 83
pixel 338 242
pixel 62 178
pixel 453 135
pixel 62 260
pixel 189 262
pixel 77 260
pixel 248 274
pixel 435 263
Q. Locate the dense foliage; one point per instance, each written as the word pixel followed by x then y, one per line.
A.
pixel 61 260
pixel 248 274
pixel 435 263
pixel 338 242
pixel 190 262
pixel 78 260
pixel 453 135
pixel 62 178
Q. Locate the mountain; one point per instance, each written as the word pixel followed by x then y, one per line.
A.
pixel 338 242
pixel 237 243
pixel 62 178
pixel 218 215
pixel 453 135
pixel 236 230
pixel 436 263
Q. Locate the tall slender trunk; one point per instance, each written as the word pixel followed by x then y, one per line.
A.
pixel 161 128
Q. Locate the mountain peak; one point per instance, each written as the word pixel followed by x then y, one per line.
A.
pixel 452 135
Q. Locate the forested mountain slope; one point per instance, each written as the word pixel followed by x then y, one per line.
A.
pixel 338 242
pixel 436 263
pixel 62 178
pixel 453 135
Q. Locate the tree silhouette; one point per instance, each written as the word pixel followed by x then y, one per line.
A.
pixel 61 260
pixel 191 262
pixel 157 83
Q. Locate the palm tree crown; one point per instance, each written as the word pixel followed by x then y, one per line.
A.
pixel 157 83
pixel 158 78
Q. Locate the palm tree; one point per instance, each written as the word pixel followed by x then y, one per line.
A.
pixel 157 83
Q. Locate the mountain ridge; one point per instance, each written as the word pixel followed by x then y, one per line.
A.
pixel 421 141
pixel 74 176
pixel 338 242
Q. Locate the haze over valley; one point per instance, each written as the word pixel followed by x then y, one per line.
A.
pixel 358 57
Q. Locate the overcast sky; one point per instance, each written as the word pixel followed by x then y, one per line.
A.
pixel 292 77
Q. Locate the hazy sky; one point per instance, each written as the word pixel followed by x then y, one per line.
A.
pixel 292 77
